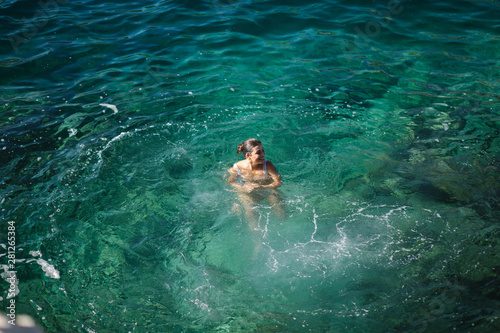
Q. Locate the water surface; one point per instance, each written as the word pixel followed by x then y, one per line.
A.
pixel 119 121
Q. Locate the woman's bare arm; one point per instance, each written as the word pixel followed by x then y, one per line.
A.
pixel 233 176
pixel 275 175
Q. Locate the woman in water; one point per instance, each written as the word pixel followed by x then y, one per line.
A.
pixel 259 180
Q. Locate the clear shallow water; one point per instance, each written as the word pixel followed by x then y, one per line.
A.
pixel 382 118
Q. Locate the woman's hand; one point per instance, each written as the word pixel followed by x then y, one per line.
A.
pixel 249 187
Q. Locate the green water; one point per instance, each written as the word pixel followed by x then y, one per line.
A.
pixel 382 118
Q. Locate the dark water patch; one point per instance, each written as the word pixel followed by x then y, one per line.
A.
pixel 382 120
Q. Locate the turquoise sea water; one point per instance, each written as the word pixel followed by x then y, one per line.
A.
pixel 120 119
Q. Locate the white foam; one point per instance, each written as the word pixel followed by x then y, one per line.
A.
pixel 36 253
pixel 111 106
pixel 49 269
pixel 7 275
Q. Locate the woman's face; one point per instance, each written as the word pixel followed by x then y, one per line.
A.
pixel 256 156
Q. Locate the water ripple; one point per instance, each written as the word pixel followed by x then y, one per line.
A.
pixel 381 117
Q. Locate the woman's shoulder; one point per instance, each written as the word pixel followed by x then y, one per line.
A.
pixel 270 166
pixel 238 166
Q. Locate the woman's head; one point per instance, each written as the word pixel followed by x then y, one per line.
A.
pixel 247 146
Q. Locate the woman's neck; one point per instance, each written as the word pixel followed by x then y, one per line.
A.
pixel 255 166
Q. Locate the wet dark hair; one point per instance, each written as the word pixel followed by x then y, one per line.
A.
pixel 247 146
